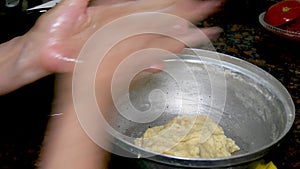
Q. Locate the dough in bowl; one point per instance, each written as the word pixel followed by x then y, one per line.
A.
pixel 188 136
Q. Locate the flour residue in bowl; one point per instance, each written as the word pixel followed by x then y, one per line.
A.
pixel 188 136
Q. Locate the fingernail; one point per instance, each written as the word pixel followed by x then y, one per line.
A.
pixel 157 67
pixel 215 33
pixel 217 3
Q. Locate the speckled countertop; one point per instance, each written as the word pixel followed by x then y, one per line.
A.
pixel 246 39
pixel 24 113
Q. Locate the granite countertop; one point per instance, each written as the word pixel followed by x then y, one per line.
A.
pixel 246 39
pixel 24 113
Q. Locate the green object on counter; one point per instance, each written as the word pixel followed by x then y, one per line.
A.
pixel 262 165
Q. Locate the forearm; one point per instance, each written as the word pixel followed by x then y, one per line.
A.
pixel 66 145
pixel 17 67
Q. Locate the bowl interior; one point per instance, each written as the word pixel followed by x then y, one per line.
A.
pixel 252 107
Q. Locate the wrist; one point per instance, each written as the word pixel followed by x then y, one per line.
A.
pixel 18 65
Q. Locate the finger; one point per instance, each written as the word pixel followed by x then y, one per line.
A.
pixel 74 3
pixel 67 10
pixel 129 7
pixel 203 36
pixel 197 10
pixel 156 67
pixel 106 2
pixel 190 37
pixel 146 5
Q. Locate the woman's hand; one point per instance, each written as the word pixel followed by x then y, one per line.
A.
pixel 55 41
pixel 59 35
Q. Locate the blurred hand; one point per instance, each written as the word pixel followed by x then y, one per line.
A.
pixel 59 34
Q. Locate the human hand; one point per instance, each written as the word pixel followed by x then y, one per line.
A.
pixel 53 44
pixel 59 35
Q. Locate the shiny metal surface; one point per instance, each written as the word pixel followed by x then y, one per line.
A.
pixel 253 107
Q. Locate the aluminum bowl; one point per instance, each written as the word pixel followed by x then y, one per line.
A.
pixel 253 107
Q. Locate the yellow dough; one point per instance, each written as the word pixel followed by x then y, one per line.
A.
pixel 188 136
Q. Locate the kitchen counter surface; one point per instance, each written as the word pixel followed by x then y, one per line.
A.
pixel 23 120
pixel 279 57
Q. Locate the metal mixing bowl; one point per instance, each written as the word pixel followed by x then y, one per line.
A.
pixel 253 107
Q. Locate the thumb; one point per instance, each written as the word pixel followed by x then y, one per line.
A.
pixel 76 4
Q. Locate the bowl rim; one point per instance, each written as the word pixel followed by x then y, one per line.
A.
pixel 276 30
